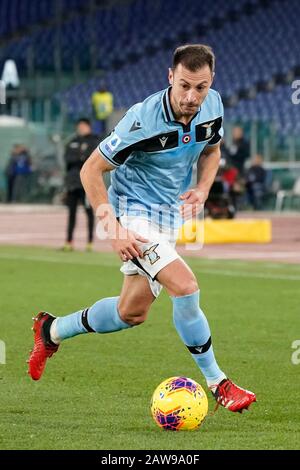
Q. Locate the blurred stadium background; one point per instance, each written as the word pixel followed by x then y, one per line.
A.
pixel 62 49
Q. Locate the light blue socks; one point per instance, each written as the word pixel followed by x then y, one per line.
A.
pixel 192 326
pixel 189 320
pixel 102 317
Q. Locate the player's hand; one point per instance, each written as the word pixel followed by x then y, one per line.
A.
pixel 194 200
pixel 126 244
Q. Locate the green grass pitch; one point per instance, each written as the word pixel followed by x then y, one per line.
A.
pixel 96 391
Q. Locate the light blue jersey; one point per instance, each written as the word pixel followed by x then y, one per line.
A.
pixel 154 156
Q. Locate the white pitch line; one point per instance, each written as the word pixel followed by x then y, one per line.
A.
pixel 249 255
pixel 46 259
pixel 35 236
pixel 282 277
pixel 218 272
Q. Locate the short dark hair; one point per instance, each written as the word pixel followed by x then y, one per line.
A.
pixel 194 57
pixel 84 120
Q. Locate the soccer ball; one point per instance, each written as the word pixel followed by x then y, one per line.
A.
pixel 179 403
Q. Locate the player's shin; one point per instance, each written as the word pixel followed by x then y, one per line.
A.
pixel 192 326
pixel 102 317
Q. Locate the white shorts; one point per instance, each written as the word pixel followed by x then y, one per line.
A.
pixel 158 253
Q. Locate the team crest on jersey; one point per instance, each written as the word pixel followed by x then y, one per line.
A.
pixel 151 254
pixel 208 131
pixel 208 128
pixel 186 139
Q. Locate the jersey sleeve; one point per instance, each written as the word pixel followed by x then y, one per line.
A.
pixel 117 147
pixel 218 126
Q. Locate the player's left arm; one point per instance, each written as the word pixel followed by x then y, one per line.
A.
pixel 207 168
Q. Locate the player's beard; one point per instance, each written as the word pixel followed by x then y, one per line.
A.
pixel 183 110
pixel 188 111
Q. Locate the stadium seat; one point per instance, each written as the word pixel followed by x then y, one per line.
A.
pixel 283 194
pixel 136 63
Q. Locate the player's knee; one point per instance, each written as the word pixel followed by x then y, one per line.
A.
pixel 187 287
pixel 135 321
pixel 134 318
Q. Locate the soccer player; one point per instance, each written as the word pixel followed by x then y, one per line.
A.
pixel 151 152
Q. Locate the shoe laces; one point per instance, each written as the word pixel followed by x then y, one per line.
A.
pixel 224 388
pixel 228 389
pixel 222 391
pixel 40 345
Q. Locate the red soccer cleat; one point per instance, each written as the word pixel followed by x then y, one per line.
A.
pixel 232 397
pixel 43 347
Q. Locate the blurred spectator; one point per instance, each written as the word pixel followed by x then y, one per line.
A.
pixel 256 177
pixel 76 153
pixel 102 102
pixel 219 204
pixel 10 174
pixel 23 171
pixel 18 171
pixel 232 181
pixel 239 150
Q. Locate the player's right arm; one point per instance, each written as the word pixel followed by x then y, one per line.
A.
pixel 124 242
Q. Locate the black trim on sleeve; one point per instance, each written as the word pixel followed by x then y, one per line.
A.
pixel 106 157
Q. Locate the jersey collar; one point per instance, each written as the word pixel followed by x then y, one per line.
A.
pixel 168 112
pixel 166 106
